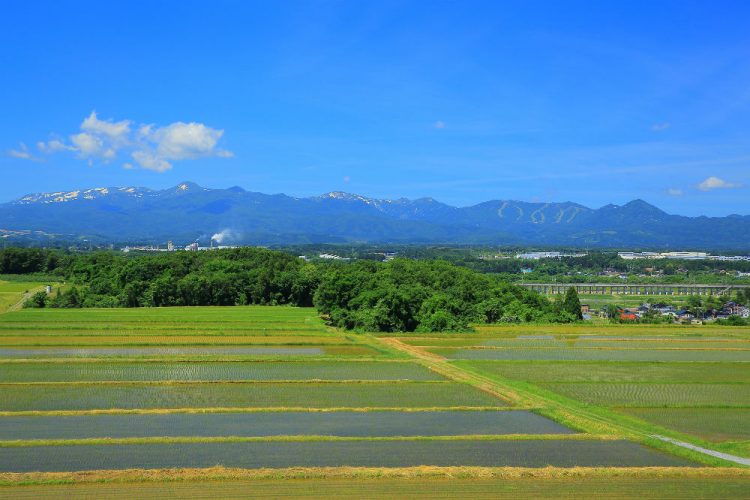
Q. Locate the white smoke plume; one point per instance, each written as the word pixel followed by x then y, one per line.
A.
pixel 224 236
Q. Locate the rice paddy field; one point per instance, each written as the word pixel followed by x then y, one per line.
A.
pixel 173 401
pixel 691 384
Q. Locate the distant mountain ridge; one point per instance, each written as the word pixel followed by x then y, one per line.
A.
pixel 188 212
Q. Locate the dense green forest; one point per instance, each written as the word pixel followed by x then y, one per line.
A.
pixel 400 295
pixel 407 295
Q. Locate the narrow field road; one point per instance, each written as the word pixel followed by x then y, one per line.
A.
pixel 440 365
pixel 717 454
pixel 27 295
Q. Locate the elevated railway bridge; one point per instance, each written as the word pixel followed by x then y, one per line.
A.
pixel 634 289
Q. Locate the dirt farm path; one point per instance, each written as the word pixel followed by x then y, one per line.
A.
pixel 27 295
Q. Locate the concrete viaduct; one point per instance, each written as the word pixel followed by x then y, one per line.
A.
pixel 634 289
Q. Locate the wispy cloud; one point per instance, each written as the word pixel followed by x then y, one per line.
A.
pixel 150 147
pixel 660 127
pixel 675 192
pixel 53 146
pixel 712 183
pixel 22 153
pixel 439 124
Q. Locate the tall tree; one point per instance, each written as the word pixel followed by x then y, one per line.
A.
pixel 572 304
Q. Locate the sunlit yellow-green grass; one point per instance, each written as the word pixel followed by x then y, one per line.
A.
pixel 243 320
pixel 670 488
pixel 179 333
pixel 12 292
pixel 199 321
pixel 415 482
pixel 71 339
pixel 597 301
pixel 18 286
pixel 176 315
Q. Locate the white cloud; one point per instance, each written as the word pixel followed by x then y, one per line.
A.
pixel 675 192
pixel 145 130
pixel 660 127
pixel 151 147
pixel 88 145
pixel 716 183
pixel 150 161
pixel 53 146
pixel 182 141
pixel 117 132
pixel 439 124
pixel 22 153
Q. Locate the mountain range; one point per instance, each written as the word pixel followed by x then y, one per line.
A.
pixel 189 212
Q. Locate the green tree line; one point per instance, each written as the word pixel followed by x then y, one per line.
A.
pixel 400 295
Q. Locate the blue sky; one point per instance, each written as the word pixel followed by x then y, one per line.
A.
pixel 465 101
